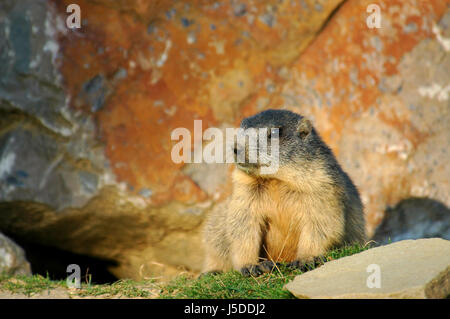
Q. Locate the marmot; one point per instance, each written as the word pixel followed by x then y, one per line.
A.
pixel 307 207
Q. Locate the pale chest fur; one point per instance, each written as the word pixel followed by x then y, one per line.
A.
pixel 294 219
pixel 281 211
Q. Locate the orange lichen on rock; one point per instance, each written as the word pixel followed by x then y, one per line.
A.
pixel 160 67
pixel 339 73
pixel 349 75
pixel 89 113
pixel 153 68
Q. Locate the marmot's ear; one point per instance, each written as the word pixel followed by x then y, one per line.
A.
pixel 304 127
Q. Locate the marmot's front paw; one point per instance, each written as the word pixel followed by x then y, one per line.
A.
pixel 307 265
pixel 251 270
pixel 301 265
pixel 267 265
pixel 211 272
pixel 258 269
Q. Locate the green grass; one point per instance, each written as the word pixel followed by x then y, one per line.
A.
pixel 232 285
pixel 123 288
pixel 228 285
pixel 28 285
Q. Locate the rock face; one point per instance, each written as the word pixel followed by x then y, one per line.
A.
pixel 86 114
pixel 86 117
pixel 380 98
pixel 12 258
pixel 407 269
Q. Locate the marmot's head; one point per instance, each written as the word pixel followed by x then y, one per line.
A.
pixel 298 142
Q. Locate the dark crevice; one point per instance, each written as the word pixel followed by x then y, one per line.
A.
pixel 330 17
pixel 53 262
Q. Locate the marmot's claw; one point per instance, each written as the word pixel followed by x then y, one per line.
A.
pixel 320 260
pixel 301 265
pixel 258 269
pixel 251 270
pixel 294 264
pixel 307 266
pixel 267 265
pixel 211 272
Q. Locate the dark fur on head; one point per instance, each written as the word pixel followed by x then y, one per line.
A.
pixel 299 142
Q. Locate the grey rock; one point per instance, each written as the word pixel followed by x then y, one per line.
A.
pixel 29 77
pixel 12 258
pixel 49 153
pixel 407 269
pixel 414 218
pixel 34 167
pixel 95 91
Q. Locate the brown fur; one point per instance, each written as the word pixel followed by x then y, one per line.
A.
pixel 296 215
